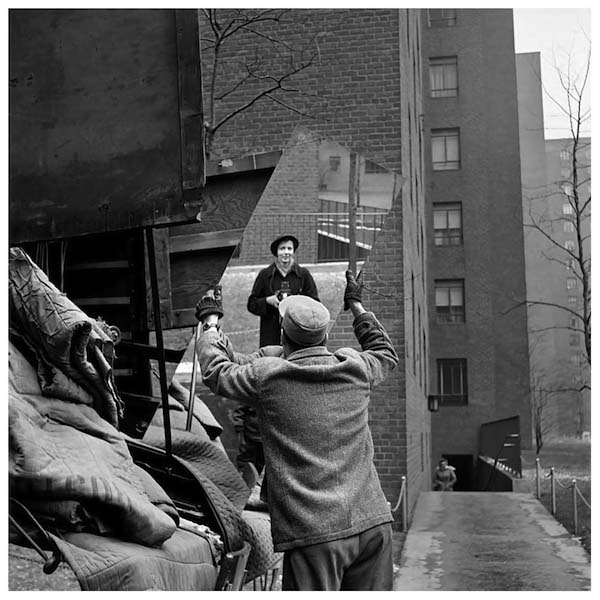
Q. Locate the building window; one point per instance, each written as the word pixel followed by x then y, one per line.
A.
pixel 568 226
pixel 452 381
pixel 567 209
pixel 449 300
pixel 573 321
pixel 443 77
pixel 442 17
pixel 574 359
pixel 565 155
pixel 445 149
pixel 334 163
pixel 570 264
pixel 571 283
pixel 372 168
pixel 571 299
pixel 570 245
pixel 447 224
pixel 574 339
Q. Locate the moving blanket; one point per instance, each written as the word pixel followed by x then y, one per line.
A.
pixel 60 452
pixel 185 562
pixel 227 493
pixel 73 353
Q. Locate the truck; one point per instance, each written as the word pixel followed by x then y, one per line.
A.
pixel 109 190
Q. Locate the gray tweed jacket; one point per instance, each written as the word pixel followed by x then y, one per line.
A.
pixel 313 412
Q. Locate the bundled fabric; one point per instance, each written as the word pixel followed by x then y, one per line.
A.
pixel 77 467
pixel 72 352
pixel 65 454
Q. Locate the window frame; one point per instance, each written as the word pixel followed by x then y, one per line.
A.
pixel 437 64
pixel 450 317
pixel 450 236
pixel 445 135
pixel 452 398
pixel 442 21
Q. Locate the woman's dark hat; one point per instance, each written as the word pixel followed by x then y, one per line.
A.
pixel 275 243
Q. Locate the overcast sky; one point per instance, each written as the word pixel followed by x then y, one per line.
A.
pixel 556 33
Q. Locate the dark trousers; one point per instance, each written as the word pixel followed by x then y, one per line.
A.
pixel 359 562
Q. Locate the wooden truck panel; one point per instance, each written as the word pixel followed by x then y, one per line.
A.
pixel 105 126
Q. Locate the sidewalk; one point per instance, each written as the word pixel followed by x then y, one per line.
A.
pixel 489 541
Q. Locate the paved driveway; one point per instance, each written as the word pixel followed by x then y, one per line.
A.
pixel 489 541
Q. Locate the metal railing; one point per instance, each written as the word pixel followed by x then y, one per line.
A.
pixel 554 481
pixel 334 225
pixel 402 503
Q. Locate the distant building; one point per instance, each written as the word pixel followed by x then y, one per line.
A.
pixel 560 395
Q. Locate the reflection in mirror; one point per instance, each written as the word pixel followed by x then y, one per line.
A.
pixel 334 202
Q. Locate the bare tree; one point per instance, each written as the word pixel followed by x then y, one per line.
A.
pixel 246 61
pixel 540 398
pixel 574 187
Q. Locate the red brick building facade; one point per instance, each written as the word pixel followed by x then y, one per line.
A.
pixel 365 80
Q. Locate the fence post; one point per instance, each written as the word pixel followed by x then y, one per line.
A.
pixel 404 505
pixel 575 524
pixel 537 477
pixel 553 490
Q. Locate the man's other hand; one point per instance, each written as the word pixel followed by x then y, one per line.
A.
pixel 210 304
pixel 353 290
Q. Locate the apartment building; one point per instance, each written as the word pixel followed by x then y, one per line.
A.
pixel 478 326
pixel 570 213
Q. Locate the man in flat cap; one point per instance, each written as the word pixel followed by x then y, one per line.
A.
pixel 328 512
pixel 282 278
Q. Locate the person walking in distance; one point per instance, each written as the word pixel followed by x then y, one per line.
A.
pixel 444 477
pixel 329 515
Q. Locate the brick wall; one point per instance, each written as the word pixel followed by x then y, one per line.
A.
pixel 350 94
pixel 383 273
pixel 356 97
pixel 289 204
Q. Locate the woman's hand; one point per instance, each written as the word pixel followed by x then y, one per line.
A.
pixel 272 300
